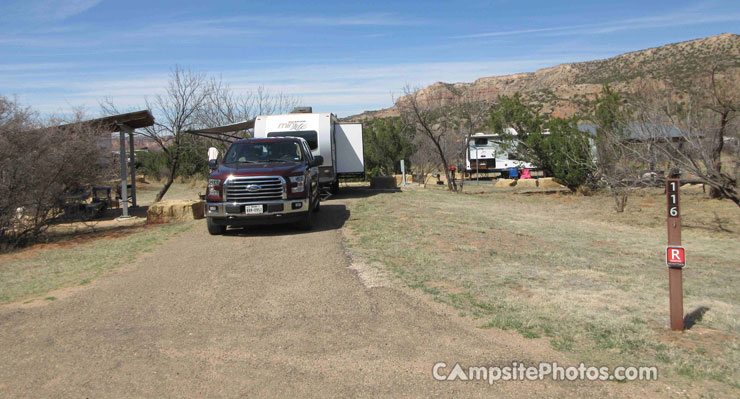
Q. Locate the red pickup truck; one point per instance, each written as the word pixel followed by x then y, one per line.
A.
pixel 263 181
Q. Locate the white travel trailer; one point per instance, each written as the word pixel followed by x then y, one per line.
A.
pixel 487 153
pixel 339 143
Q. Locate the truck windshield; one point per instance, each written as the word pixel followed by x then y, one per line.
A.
pixel 281 151
pixel 309 135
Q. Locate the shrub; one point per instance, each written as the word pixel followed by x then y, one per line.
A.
pixel 39 164
pixel 386 144
pixel 564 154
pixel 569 157
pixel 152 163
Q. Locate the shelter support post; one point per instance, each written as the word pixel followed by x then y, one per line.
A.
pixel 133 168
pixel 124 179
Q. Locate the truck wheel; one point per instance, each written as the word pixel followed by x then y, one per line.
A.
pixel 318 205
pixel 335 187
pixel 213 228
pixel 307 222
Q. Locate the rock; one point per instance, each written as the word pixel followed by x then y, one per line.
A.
pixel 167 211
pixel 383 182
pixel 529 183
pixel 548 182
pixel 505 183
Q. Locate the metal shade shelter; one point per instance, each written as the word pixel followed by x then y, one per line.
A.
pixel 124 123
pixel 133 120
pixel 646 132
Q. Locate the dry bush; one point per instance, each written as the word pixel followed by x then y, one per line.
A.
pixel 442 123
pixel 693 135
pixel 40 164
pixel 191 101
pixel 424 160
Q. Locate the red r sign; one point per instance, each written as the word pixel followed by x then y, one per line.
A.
pixel 675 257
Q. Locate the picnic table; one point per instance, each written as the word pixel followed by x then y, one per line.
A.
pixel 76 206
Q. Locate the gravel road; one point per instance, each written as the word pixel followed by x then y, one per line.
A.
pixel 267 312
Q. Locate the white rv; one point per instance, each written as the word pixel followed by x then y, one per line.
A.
pixel 487 153
pixel 339 143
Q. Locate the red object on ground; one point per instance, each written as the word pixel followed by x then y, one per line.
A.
pixel 525 174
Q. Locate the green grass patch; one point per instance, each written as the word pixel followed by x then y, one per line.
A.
pixel 44 270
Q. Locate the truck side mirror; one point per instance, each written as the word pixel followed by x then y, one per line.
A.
pixel 318 160
pixel 213 158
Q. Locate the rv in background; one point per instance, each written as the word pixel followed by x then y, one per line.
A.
pixel 339 143
pixel 488 153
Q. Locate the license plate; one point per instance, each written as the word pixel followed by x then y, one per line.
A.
pixel 252 209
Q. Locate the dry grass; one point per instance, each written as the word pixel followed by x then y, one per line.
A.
pixel 181 189
pixel 81 251
pixel 34 271
pixel 569 269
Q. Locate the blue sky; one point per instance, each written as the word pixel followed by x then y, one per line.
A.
pixel 343 57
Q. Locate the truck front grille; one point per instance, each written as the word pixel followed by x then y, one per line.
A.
pixel 254 189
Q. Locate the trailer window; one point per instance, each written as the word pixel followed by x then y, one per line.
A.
pixel 481 141
pixel 309 135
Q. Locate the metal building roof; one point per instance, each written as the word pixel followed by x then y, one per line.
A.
pixel 134 120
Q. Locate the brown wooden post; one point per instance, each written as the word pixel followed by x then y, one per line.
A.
pixel 675 277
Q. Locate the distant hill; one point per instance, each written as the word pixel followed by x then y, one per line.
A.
pixel 560 89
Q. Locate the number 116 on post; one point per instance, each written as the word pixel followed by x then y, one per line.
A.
pixel 673 211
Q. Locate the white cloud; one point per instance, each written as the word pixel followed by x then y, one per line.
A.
pixel 236 25
pixel 190 29
pixel 34 66
pixel 377 19
pixel 665 21
pixel 44 10
pixel 280 21
pixel 48 42
pixel 61 9
pixel 344 89
pixel 518 32
pixel 683 18
pixel 242 26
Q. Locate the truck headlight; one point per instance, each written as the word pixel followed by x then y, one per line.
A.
pixel 297 183
pixel 213 188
